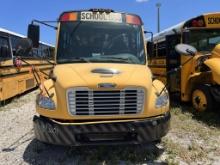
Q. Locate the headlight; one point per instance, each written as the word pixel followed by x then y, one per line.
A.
pixel 45 102
pixel 162 100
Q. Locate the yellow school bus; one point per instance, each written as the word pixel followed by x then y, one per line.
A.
pixel 16 80
pixel 101 90
pixel 198 79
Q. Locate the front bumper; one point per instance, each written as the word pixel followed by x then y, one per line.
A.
pixel 123 132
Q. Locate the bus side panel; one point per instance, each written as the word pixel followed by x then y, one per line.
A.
pixel 19 83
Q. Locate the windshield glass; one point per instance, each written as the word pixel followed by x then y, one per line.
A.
pixel 204 39
pixel 100 42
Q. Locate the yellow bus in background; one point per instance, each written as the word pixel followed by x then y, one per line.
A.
pixel 16 80
pixel 101 90
pixel 198 80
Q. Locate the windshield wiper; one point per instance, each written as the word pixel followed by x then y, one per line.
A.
pixel 126 60
pixel 73 60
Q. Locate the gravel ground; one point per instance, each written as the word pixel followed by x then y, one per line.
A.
pixel 193 139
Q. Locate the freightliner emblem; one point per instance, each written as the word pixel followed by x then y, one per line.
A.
pixel 106 85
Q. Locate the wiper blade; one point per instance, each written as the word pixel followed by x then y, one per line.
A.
pixel 118 59
pixel 74 60
pixel 109 60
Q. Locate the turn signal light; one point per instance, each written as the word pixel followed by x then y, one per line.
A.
pixel 69 17
pixel 198 23
pixel 131 19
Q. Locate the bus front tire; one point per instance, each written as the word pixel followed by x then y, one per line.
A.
pixel 202 99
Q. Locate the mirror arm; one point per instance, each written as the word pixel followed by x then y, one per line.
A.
pixel 172 71
pixel 178 68
pixel 36 75
pixel 151 33
pixel 190 52
pixel 31 65
pixel 48 61
pixel 46 23
pixel 44 73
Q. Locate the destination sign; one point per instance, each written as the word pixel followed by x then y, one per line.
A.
pixel 101 17
pixel 214 20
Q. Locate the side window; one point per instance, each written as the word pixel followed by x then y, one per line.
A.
pixel 155 50
pixel 34 52
pixel 5 52
pixel 51 52
pixel 14 42
pixel 214 40
pixel 150 49
pixel 40 53
pixel 161 49
pixel 45 51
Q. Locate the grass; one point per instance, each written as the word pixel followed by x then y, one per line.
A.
pixel 193 153
pixel 193 136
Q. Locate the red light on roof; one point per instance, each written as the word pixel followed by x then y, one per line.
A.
pixel 131 19
pixel 69 17
pixel 198 23
pixel 194 23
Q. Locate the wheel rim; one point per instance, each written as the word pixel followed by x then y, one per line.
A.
pixel 199 100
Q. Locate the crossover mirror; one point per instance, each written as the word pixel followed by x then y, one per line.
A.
pixel 34 34
pixel 186 49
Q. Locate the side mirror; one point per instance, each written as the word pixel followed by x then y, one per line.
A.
pixel 23 47
pixel 34 34
pixel 185 49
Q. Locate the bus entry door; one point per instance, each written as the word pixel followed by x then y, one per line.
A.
pixel 173 61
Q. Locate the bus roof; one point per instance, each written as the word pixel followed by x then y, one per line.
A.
pixel 20 35
pixel 159 37
pixel 172 30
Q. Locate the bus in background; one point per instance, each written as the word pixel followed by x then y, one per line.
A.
pixel 16 80
pixel 198 80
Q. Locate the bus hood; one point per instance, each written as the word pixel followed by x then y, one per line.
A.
pixel 213 64
pixel 93 74
pixel 216 51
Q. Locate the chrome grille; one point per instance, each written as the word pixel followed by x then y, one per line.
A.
pixel 83 101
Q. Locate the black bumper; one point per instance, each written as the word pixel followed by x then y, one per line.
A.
pixel 133 132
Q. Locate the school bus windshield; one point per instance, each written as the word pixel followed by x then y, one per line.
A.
pixel 100 42
pixel 204 39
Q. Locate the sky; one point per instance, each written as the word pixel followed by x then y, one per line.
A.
pixel 15 15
